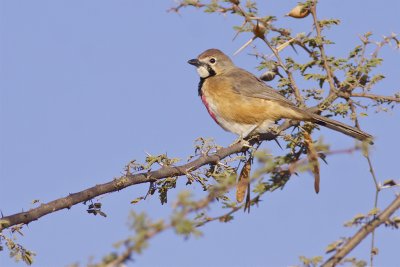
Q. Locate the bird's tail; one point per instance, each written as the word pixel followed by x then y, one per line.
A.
pixel 341 127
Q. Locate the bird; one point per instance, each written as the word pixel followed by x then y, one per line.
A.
pixel 243 104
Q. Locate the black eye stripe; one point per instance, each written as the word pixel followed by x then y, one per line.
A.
pixel 210 70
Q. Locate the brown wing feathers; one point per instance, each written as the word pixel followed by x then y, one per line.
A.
pixel 250 86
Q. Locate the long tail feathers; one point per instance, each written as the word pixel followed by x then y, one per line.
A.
pixel 343 128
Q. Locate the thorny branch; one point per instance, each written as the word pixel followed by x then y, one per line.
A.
pixel 378 97
pixel 116 185
pixel 320 45
pixel 374 178
pixel 363 233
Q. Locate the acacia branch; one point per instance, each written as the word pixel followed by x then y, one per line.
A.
pixel 377 97
pixel 116 185
pixel 363 233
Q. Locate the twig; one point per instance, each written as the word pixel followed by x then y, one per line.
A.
pixel 362 233
pixel 377 187
pixel 377 97
pixel 327 68
pixel 372 251
pixel 377 190
pixel 116 185
pixel 127 254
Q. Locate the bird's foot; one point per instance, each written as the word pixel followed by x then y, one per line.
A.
pixel 245 143
pixel 242 141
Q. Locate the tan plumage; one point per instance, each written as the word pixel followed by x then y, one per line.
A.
pixel 243 104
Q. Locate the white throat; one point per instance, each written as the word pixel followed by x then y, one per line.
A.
pixel 203 72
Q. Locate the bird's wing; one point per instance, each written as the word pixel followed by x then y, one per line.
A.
pixel 245 83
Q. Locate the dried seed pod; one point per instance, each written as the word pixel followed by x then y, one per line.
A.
pixel 299 12
pixel 268 76
pixel 364 80
pixel 259 29
pixel 243 181
pixel 312 156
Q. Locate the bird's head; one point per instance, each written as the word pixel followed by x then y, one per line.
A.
pixel 211 62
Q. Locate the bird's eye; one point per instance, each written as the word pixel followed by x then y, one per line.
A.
pixel 212 60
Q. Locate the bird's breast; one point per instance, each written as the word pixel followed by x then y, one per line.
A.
pixel 210 107
pixel 223 121
pixel 222 107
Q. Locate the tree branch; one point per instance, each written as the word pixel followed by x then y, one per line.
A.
pixel 362 233
pixel 377 97
pixel 116 185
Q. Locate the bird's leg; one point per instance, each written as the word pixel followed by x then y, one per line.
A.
pixel 250 131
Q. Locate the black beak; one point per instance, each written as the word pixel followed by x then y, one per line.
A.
pixel 194 62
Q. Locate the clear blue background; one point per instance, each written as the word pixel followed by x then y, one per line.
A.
pixel 86 86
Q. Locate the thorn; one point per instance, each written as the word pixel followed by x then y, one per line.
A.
pixel 245 45
pixel 280 47
pixel 277 142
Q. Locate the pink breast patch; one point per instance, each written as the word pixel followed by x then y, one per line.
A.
pixel 204 100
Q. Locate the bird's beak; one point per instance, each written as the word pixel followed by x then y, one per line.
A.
pixel 194 62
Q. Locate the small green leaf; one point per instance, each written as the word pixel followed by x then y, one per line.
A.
pixel 4 223
pixel 226 218
pixel 136 200
pixel 334 246
pixel 373 212
pixel 102 213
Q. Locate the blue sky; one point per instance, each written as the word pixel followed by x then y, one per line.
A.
pixel 87 86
